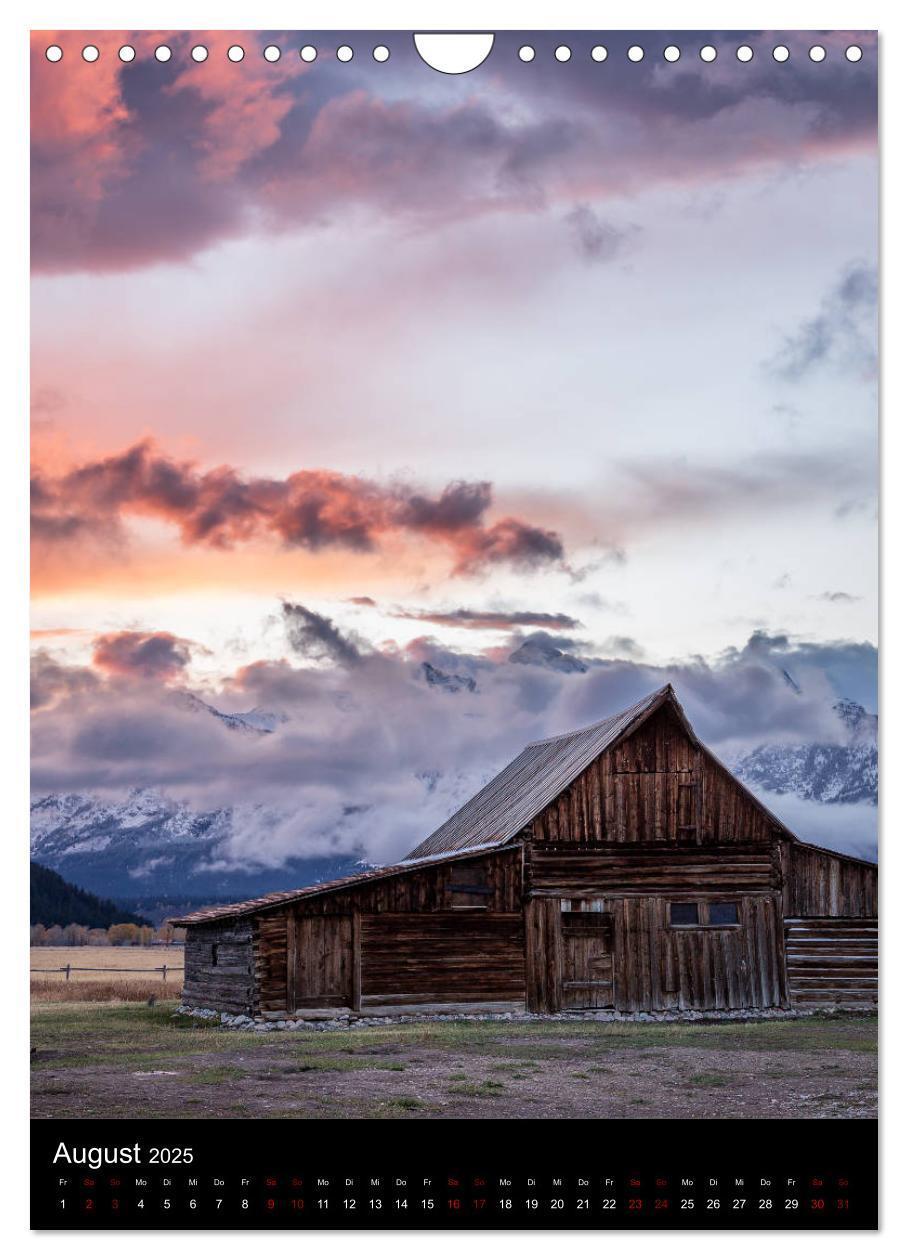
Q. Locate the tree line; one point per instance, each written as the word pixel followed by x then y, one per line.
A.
pixel 116 934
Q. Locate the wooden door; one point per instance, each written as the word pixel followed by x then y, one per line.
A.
pixel 320 967
pixel 588 965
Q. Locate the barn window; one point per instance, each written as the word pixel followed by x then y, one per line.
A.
pixel 683 914
pixel 214 955
pixel 703 914
pixel 469 888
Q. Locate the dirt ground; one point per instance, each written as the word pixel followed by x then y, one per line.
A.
pixel 126 1060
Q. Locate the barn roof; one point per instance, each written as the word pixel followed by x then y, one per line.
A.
pixel 255 905
pixel 534 778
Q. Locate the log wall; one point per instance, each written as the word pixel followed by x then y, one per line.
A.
pixel 227 984
pixel 832 962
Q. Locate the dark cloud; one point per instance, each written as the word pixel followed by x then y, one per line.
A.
pixel 842 335
pixel 308 509
pixel 509 541
pixel 839 597
pixel 157 657
pixel 595 238
pixel 316 637
pixel 362 601
pixel 474 619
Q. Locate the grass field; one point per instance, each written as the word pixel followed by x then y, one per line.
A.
pixel 99 986
pixel 131 1060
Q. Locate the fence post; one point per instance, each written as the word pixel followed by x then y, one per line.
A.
pixel 67 970
pixel 164 974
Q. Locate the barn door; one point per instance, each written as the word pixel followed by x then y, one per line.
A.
pixel 320 967
pixel 588 965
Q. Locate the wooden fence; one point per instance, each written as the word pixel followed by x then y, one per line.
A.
pixel 146 971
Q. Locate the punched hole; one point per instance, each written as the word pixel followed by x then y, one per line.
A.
pixel 708 53
pixel 235 53
pixel 745 53
pixel 780 53
pixel 127 53
pixel 199 53
pixel 562 53
pixel 854 52
pixel 162 53
pixel 308 53
pixel 635 53
pixel 381 53
pixel 599 53
pixel 526 53
pixel 453 53
pixel 345 53
pixel 272 53
pixel 90 53
pixel 817 53
pixel 672 53
pixel 54 53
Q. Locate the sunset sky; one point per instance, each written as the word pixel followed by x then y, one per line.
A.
pixel 342 368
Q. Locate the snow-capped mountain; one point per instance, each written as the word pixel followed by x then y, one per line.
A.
pixel 542 650
pixel 149 844
pixel 839 773
pixel 254 722
pixel 453 683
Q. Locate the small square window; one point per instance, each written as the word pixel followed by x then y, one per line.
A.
pixel 723 913
pixel 214 955
pixel 469 888
pixel 683 914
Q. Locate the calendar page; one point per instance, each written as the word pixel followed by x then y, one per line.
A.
pixel 454 772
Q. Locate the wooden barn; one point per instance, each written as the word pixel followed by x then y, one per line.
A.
pixel 621 866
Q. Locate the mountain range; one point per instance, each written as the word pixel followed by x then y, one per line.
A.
pixel 841 773
pixel 148 846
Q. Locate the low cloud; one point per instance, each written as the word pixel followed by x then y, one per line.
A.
pixel 52 681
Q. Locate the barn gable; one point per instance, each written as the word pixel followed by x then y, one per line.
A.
pixel 639 776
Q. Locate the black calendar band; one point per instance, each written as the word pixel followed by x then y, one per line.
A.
pixel 224 1174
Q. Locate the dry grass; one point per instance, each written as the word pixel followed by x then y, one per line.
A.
pixel 105 986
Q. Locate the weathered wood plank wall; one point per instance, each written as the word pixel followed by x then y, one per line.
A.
pixel 544 967
pixel 448 956
pixel 341 958
pixel 661 968
pixel 654 787
pixel 826 885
